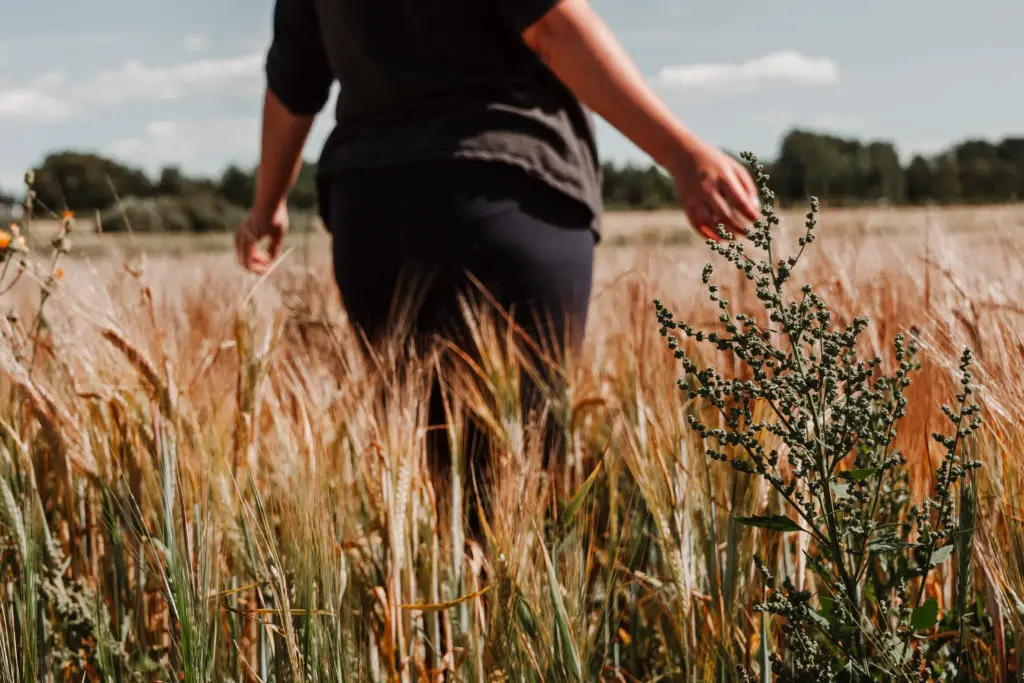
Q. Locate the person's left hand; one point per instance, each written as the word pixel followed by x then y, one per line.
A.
pixel 253 230
pixel 714 189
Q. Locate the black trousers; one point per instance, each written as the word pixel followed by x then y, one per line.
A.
pixel 417 236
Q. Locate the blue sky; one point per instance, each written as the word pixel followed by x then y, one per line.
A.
pixel 157 83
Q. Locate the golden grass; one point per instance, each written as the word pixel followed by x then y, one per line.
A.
pixel 209 457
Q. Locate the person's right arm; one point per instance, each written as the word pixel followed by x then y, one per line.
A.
pixel 576 44
pixel 298 83
pixel 299 79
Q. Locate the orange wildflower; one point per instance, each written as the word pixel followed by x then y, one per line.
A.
pixel 59 274
pixel 68 215
pixel 5 240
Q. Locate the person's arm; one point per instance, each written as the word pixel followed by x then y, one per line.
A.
pixel 282 140
pixel 299 80
pixel 580 49
pixel 298 84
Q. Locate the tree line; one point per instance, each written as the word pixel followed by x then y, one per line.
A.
pixel 845 172
pixel 838 170
pixel 84 182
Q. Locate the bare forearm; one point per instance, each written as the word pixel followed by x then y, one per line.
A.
pixel 283 139
pixel 580 49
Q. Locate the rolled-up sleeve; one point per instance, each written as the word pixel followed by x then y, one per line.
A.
pixel 522 14
pixel 297 69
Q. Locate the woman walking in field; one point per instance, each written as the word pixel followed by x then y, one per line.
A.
pixel 463 150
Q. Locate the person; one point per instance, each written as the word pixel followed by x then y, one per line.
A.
pixel 464 156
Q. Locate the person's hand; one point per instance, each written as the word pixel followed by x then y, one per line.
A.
pixel 256 228
pixel 715 189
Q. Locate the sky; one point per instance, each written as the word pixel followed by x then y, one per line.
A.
pixel 155 83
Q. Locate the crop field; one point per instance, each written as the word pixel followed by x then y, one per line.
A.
pixel 620 228
pixel 204 480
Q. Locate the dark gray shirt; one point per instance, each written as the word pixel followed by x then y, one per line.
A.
pixel 433 79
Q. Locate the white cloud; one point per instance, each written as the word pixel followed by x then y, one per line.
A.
pixel 196 42
pixel 137 81
pixel 49 98
pixel 190 143
pixel 32 105
pixel 35 103
pixel 786 67
pixel 66 43
pixel 51 80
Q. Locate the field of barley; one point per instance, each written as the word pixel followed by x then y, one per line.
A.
pixel 204 480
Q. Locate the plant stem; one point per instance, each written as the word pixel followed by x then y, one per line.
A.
pixel 831 522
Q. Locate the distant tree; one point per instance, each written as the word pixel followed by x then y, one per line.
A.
pixel 1006 183
pixel 304 194
pixel 836 169
pixel 237 186
pixel 975 151
pixel 975 160
pixel 198 213
pixel 920 178
pixel 946 182
pixel 172 182
pixel 885 178
pixel 852 173
pixel 201 186
pixel 1011 151
pixel 808 164
pixel 635 187
pixel 84 182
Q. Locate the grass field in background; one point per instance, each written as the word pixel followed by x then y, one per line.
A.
pixel 620 229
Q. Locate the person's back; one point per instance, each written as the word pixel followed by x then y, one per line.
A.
pixel 443 106
pixel 428 80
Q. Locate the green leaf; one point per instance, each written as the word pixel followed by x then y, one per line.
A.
pixel 822 622
pixel 854 476
pixel 897 649
pixel 855 667
pixel 145 664
pixel 815 564
pixel 577 500
pixel 526 617
pixel 570 653
pixel 772 522
pixel 941 555
pixel 828 608
pixel 886 544
pixel 829 611
pixel 926 616
pixel 842 491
